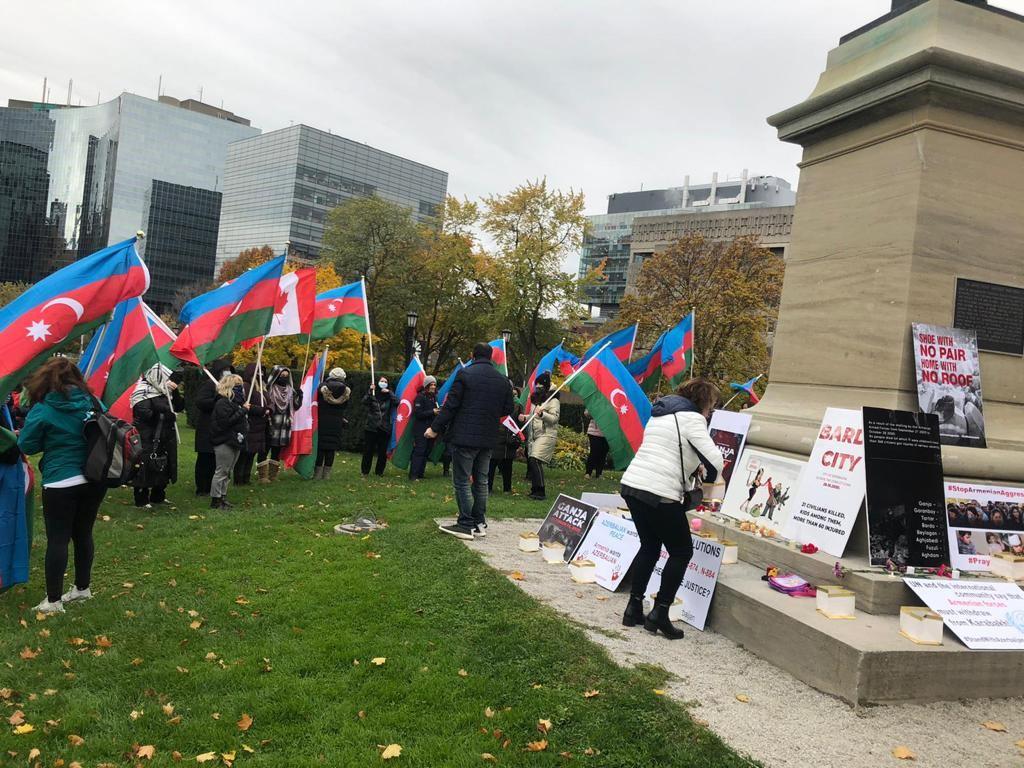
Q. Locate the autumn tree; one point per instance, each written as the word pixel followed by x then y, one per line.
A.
pixel 534 229
pixel 243 262
pixel 733 286
pixel 10 291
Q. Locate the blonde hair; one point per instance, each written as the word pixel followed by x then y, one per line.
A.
pixel 227 384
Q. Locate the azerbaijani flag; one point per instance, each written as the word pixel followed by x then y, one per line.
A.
pixel 620 342
pixel 645 367
pixel 341 308
pixel 615 401
pixel 677 351
pixel 216 322
pixel 69 303
pixel 300 453
pixel 163 338
pixel 498 355
pixel 119 353
pixel 748 387
pixel 442 393
pixel 555 356
pixel 400 446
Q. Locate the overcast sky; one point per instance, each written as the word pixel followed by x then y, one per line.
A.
pixel 597 95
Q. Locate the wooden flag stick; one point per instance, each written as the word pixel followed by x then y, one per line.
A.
pixel 369 335
pixel 561 386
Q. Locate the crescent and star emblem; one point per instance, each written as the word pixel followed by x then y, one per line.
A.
pixel 398 416
pixel 39 330
pixel 622 408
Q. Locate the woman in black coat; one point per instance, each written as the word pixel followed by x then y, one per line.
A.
pixel 424 409
pixel 379 402
pixel 155 401
pixel 332 399
pixel 506 446
pixel 259 425
pixel 206 396
pixel 228 430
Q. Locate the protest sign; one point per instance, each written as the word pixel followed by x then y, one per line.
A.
pixel 567 521
pixel 985 615
pixel 904 488
pixel 764 484
pixel 729 432
pixel 949 382
pixel 832 484
pixel 610 502
pixel 983 520
pixel 698 585
pixel 611 543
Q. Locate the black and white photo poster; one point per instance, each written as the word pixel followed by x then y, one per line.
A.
pixel 566 523
pixel 905 494
pixel 949 382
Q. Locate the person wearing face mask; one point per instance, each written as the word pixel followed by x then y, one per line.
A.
pixel 283 400
pixel 675 457
pixel 380 401
pixel 423 412
pixel 546 412
pixel 155 401
pixel 229 428
pixel 332 404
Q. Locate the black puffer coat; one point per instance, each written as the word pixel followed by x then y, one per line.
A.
pixel 378 410
pixel 478 399
pixel 506 445
pixel 206 396
pixel 146 416
pixel 259 414
pixel 423 413
pixel 226 421
pixel 332 399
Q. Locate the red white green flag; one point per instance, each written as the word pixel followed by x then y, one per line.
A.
pixel 677 351
pixel 300 453
pixel 400 446
pixel 499 355
pixel 341 308
pixel 163 338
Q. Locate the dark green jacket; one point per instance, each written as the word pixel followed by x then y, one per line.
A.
pixel 54 428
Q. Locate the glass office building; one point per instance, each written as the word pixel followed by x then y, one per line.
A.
pixel 279 186
pixel 75 179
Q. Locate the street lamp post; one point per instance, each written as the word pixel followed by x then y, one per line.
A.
pixel 411 318
pixel 506 335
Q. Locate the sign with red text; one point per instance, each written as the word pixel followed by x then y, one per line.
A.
pixel 699 582
pixel 982 521
pixel 985 615
pixel 611 543
pixel 729 432
pixel 566 523
pixel 832 484
pixel 949 382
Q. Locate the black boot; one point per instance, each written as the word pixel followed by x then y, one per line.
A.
pixel 214 502
pixel 634 612
pixel 657 620
pixel 224 503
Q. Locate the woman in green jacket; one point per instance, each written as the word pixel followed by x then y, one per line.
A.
pixel 54 427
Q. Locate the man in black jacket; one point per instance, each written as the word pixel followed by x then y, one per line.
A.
pixel 477 401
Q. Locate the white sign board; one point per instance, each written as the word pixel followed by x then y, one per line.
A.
pixel 985 615
pixel 610 502
pixel 832 484
pixel 762 488
pixel 729 432
pixel 698 585
pixel 611 543
pixel 983 520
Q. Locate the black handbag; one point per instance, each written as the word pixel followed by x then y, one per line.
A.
pixel 155 465
pixel 692 498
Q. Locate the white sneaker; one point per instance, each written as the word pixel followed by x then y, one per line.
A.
pixel 480 530
pixel 47 607
pixel 77 594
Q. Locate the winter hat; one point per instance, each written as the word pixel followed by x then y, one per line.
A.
pixel 427 381
pixel 337 373
pixel 543 381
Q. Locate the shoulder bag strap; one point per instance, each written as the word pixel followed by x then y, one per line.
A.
pixel 682 464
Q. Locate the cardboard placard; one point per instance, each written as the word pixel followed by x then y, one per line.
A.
pixel 763 489
pixel 983 520
pixel 610 502
pixel 698 585
pixel 949 382
pixel 832 484
pixel 985 615
pixel 729 432
pixel 611 543
pixel 566 523
pixel 904 496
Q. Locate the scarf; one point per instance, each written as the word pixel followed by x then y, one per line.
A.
pixel 152 384
pixel 282 396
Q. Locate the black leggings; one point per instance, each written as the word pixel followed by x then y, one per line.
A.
pixel 535 473
pixel 273 452
pixel 69 515
pixel 375 444
pixel 206 463
pixel 657 525
pixel 505 465
pixel 598 455
pixel 243 468
pixel 325 458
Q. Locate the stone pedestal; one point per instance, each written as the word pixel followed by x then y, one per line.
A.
pixel 912 176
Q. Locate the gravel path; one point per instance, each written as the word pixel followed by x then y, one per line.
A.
pixel 785 723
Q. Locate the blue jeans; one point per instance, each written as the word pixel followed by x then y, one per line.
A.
pixel 472 500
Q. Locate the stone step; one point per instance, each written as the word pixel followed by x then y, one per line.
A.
pixel 863 660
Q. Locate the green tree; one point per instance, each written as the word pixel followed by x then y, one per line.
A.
pixel 243 262
pixel 10 291
pixel 733 286
pixel 533 229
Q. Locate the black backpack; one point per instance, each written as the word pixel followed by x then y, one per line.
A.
pixel 113 449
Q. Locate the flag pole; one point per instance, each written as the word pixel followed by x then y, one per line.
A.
pixel 632 344
pixel 369 334
pixel 259 359
pixel 309 340
pixel 561 386
pixel 693 354
pixel 99 347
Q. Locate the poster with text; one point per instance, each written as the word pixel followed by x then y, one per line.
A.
pixel 985 615
pixel 983 520
pixel 729 432
pixel 763 489
pixel 605 502
pixel 611 543
pixel 905 495
pixel 949 382
pixel 698 585
pixel 567 521
pixel 832 484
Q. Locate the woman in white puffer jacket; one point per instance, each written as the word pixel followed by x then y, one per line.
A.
pixel 654 487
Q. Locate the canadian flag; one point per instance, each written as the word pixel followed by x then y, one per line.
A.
pixel 510 424
pixel 298 289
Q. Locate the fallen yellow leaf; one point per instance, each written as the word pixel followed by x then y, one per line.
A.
pixel 146 752
pixel 379 661
pixel 537 746
pixel 242 600
pixel 27 653
pixel 103 641
pixel 76 740
pixel 463 673
pixel 247 748
pixel 245 722
pixel 228 757
pixel 168 709
pixel 488 757
pixel 488 712
pixel 176 720
pixel 215 715
pixel 902 753
pixel 206 757
pixel 390 751
pixel 33 754
pixel 195 624
pixel 994 725
pixel 658 691
pixel 17 718
pixel 742 697
pixel 135 714
pixel 136 662
pixel 517 575
pixel 544 726
pixel 591 694
pixel 1019 744
pixel 23 729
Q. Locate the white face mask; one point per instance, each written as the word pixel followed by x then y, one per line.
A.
pixel 382 384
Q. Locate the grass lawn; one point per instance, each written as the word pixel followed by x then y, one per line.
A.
pixel 205 618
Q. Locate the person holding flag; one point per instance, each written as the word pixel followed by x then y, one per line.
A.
pixel 675 457
pixel 424 409
pixel 332 403
pixel 284 400
pixel 380 402
pixel 154 402
pixel 478 399
pixel 546 411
